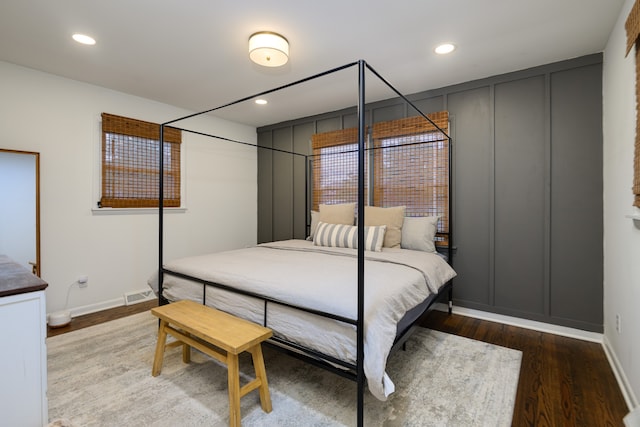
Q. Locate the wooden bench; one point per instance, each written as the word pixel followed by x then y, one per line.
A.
pixel 208 330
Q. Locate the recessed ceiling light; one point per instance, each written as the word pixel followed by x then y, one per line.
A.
pixel 84 39
pixel 445 48
pixel 261 101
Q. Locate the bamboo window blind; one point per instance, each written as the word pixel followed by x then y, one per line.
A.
pixel 412 167
pixel 335 167
pixel 407 164
pixel 130 163
pixel 632 27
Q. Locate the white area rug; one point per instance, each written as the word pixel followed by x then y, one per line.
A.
pixel 101 376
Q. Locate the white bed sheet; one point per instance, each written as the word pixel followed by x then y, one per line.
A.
pixel 320 278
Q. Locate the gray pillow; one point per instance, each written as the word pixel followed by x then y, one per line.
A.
pixel 418 233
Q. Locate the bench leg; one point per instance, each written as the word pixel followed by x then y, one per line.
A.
pixel 186 351
pixel 261 375
pixel 162 340
pixel 234 389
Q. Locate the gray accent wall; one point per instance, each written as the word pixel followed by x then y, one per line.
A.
pixel 527 186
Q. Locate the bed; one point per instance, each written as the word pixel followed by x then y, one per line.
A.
pixel 322 281
pixel 330 301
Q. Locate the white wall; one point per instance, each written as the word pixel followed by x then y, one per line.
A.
pixel 621 234
pixel 60 119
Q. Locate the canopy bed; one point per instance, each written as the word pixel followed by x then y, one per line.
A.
pixel 329 300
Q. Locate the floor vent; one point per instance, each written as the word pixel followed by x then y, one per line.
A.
pixel 138 296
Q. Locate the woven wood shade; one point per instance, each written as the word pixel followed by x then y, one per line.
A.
pixel 636 156
pixel 632 27
pixel 409 160
pixel 335 167
pixel 413 157
pixel 130 163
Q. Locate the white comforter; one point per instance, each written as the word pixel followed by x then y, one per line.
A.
pixel 324 279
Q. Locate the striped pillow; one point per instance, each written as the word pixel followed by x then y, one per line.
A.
pixel 346 236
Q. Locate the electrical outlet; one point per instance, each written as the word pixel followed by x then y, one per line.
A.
pixel 83 281
pixel 618 324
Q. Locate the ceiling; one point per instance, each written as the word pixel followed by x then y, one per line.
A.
pixel 193 54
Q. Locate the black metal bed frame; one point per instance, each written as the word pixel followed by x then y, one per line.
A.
pixel 348 370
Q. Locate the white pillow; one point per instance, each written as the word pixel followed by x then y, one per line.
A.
pixel 346 236
pixel 418 233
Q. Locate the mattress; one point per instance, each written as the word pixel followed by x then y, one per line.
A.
pixel 318 278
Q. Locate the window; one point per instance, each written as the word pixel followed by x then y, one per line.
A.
pixel 130 163
pixel 412 167
pixel 407 165
pixel 335 167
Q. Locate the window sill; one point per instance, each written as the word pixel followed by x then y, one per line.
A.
pixel 135 211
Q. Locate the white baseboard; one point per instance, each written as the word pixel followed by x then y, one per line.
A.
pixel 527 324
pixel 105 305
pixel 92 308
pixel 623 382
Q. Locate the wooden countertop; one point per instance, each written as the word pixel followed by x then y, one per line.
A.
pixel 16 279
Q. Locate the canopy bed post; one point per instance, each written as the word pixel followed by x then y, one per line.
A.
pixel 360 318
pixel 160 208
pixel 450 243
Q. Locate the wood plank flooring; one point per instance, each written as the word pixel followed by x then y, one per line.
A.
pixel 102 316
pixel 563 381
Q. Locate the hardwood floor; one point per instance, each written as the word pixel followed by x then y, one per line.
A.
pixel 101 317
pixel 563 381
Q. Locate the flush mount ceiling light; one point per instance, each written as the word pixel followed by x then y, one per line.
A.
pixel 84 39
pixel 261 101
pixel 444 48
pixel 268 49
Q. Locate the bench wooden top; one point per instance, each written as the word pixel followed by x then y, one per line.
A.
pixel 221 329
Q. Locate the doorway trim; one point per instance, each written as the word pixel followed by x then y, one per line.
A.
pixel 37 268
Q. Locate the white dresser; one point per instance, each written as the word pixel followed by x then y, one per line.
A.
pixel 23 351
